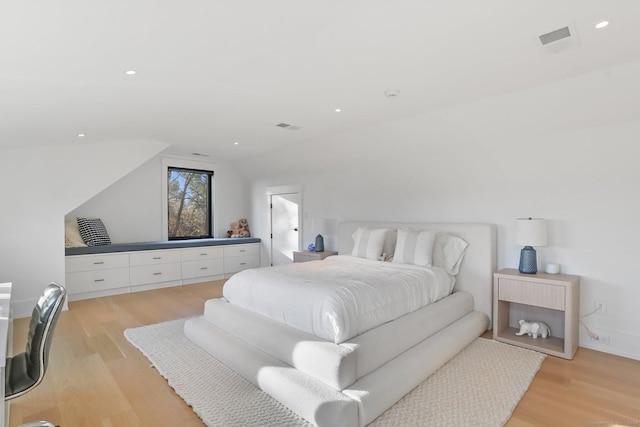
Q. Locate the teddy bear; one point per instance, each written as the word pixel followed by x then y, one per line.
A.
pixel 244 228
pixel 239 229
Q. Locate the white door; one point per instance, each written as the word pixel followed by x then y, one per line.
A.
pixel 285 228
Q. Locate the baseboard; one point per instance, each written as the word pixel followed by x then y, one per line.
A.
pixel 24 308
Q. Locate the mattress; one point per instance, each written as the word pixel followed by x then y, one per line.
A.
pixel 340 297
pixel 337 365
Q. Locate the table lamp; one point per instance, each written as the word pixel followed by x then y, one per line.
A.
pixel 530 232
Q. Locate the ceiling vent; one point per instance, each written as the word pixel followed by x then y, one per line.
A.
pixel 554 36
pixel 558 40
pixel 287 126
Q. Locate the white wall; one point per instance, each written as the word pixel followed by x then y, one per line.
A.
pixel 40 185
pixel 132 207
pixel 584 182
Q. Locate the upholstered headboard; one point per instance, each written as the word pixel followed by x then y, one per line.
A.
pixel 478 264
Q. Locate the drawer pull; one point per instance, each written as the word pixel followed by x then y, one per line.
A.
pixel 204 254
pixel 243 263
pixel 99 262
pixel 242 250
pixel 99 280
pixel 157 257
pixel 204 268
pixel 157 274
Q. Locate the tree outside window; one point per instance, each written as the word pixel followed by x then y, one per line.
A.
pixel 189 202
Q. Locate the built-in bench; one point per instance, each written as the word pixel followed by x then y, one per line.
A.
pixel 97 271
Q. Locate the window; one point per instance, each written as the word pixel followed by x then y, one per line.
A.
pixel 189 203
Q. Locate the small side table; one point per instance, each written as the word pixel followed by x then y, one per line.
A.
pixel 550 298
pixel 304 256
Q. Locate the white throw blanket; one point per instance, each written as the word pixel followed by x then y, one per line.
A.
pixel 339 297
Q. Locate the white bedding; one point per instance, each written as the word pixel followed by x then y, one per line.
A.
pixel 340 297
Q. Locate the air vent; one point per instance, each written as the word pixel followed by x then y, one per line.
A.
pixel 554 36
pixel 287 126
pixel 558 40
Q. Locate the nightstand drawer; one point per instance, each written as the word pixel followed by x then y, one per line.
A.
pixel 532 293
pixel 304 256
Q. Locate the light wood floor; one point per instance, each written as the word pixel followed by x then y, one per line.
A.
pixel 96 378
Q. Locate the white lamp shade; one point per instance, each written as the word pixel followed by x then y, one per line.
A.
pixel 531 232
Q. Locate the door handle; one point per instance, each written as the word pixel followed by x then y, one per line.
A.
pixel 295 229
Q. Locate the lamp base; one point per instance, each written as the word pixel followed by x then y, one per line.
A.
pixel 528 261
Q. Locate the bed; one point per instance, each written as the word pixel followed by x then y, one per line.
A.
pixel 348 372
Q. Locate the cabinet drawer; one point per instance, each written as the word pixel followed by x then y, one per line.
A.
pixel 155 257
pixel 200 253
pixel 202 268
pixel 89 281
pixel 239 263
pixel 239 250
pixel 532 293
pixel 144 274
pixel 95 262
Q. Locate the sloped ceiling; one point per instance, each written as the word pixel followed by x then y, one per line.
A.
pixel 210 74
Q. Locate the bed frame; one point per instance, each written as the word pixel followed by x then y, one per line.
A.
pixel 362 401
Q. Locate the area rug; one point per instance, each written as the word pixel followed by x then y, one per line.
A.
pixel 480 386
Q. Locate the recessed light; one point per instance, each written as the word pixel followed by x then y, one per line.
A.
pixel 236 143
pixel 130 72
pixel 602 24
pixel 338 110
pixel 81 135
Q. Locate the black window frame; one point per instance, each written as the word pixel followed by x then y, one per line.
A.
pixel 209 174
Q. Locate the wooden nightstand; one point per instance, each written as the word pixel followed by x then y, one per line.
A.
pixel 550 298
pixel 304 256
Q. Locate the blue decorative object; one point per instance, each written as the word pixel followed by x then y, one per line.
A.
pixel 528 261
pixel 319 243
pixel 311 247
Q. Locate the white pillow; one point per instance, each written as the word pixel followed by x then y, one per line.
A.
pixel 368 242
pixel 448 252
pixel 72 237
pixel 414 247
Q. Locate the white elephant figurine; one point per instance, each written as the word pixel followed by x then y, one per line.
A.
pixel 533 329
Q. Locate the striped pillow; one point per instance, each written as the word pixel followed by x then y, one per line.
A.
pixel 414 247
pixel 368 242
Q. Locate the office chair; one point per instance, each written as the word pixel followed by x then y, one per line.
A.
pixel 26 370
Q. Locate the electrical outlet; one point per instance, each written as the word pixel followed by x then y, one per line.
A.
pixel 600 306
pixel 601 339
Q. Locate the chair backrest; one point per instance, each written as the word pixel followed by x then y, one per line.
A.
pixel 43 322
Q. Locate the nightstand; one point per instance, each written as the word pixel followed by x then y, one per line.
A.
pixel 304 256
pixel 550 298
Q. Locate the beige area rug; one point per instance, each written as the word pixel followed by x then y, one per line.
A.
pixel 480 386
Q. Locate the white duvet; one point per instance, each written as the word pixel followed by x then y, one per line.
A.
pixel 339 297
